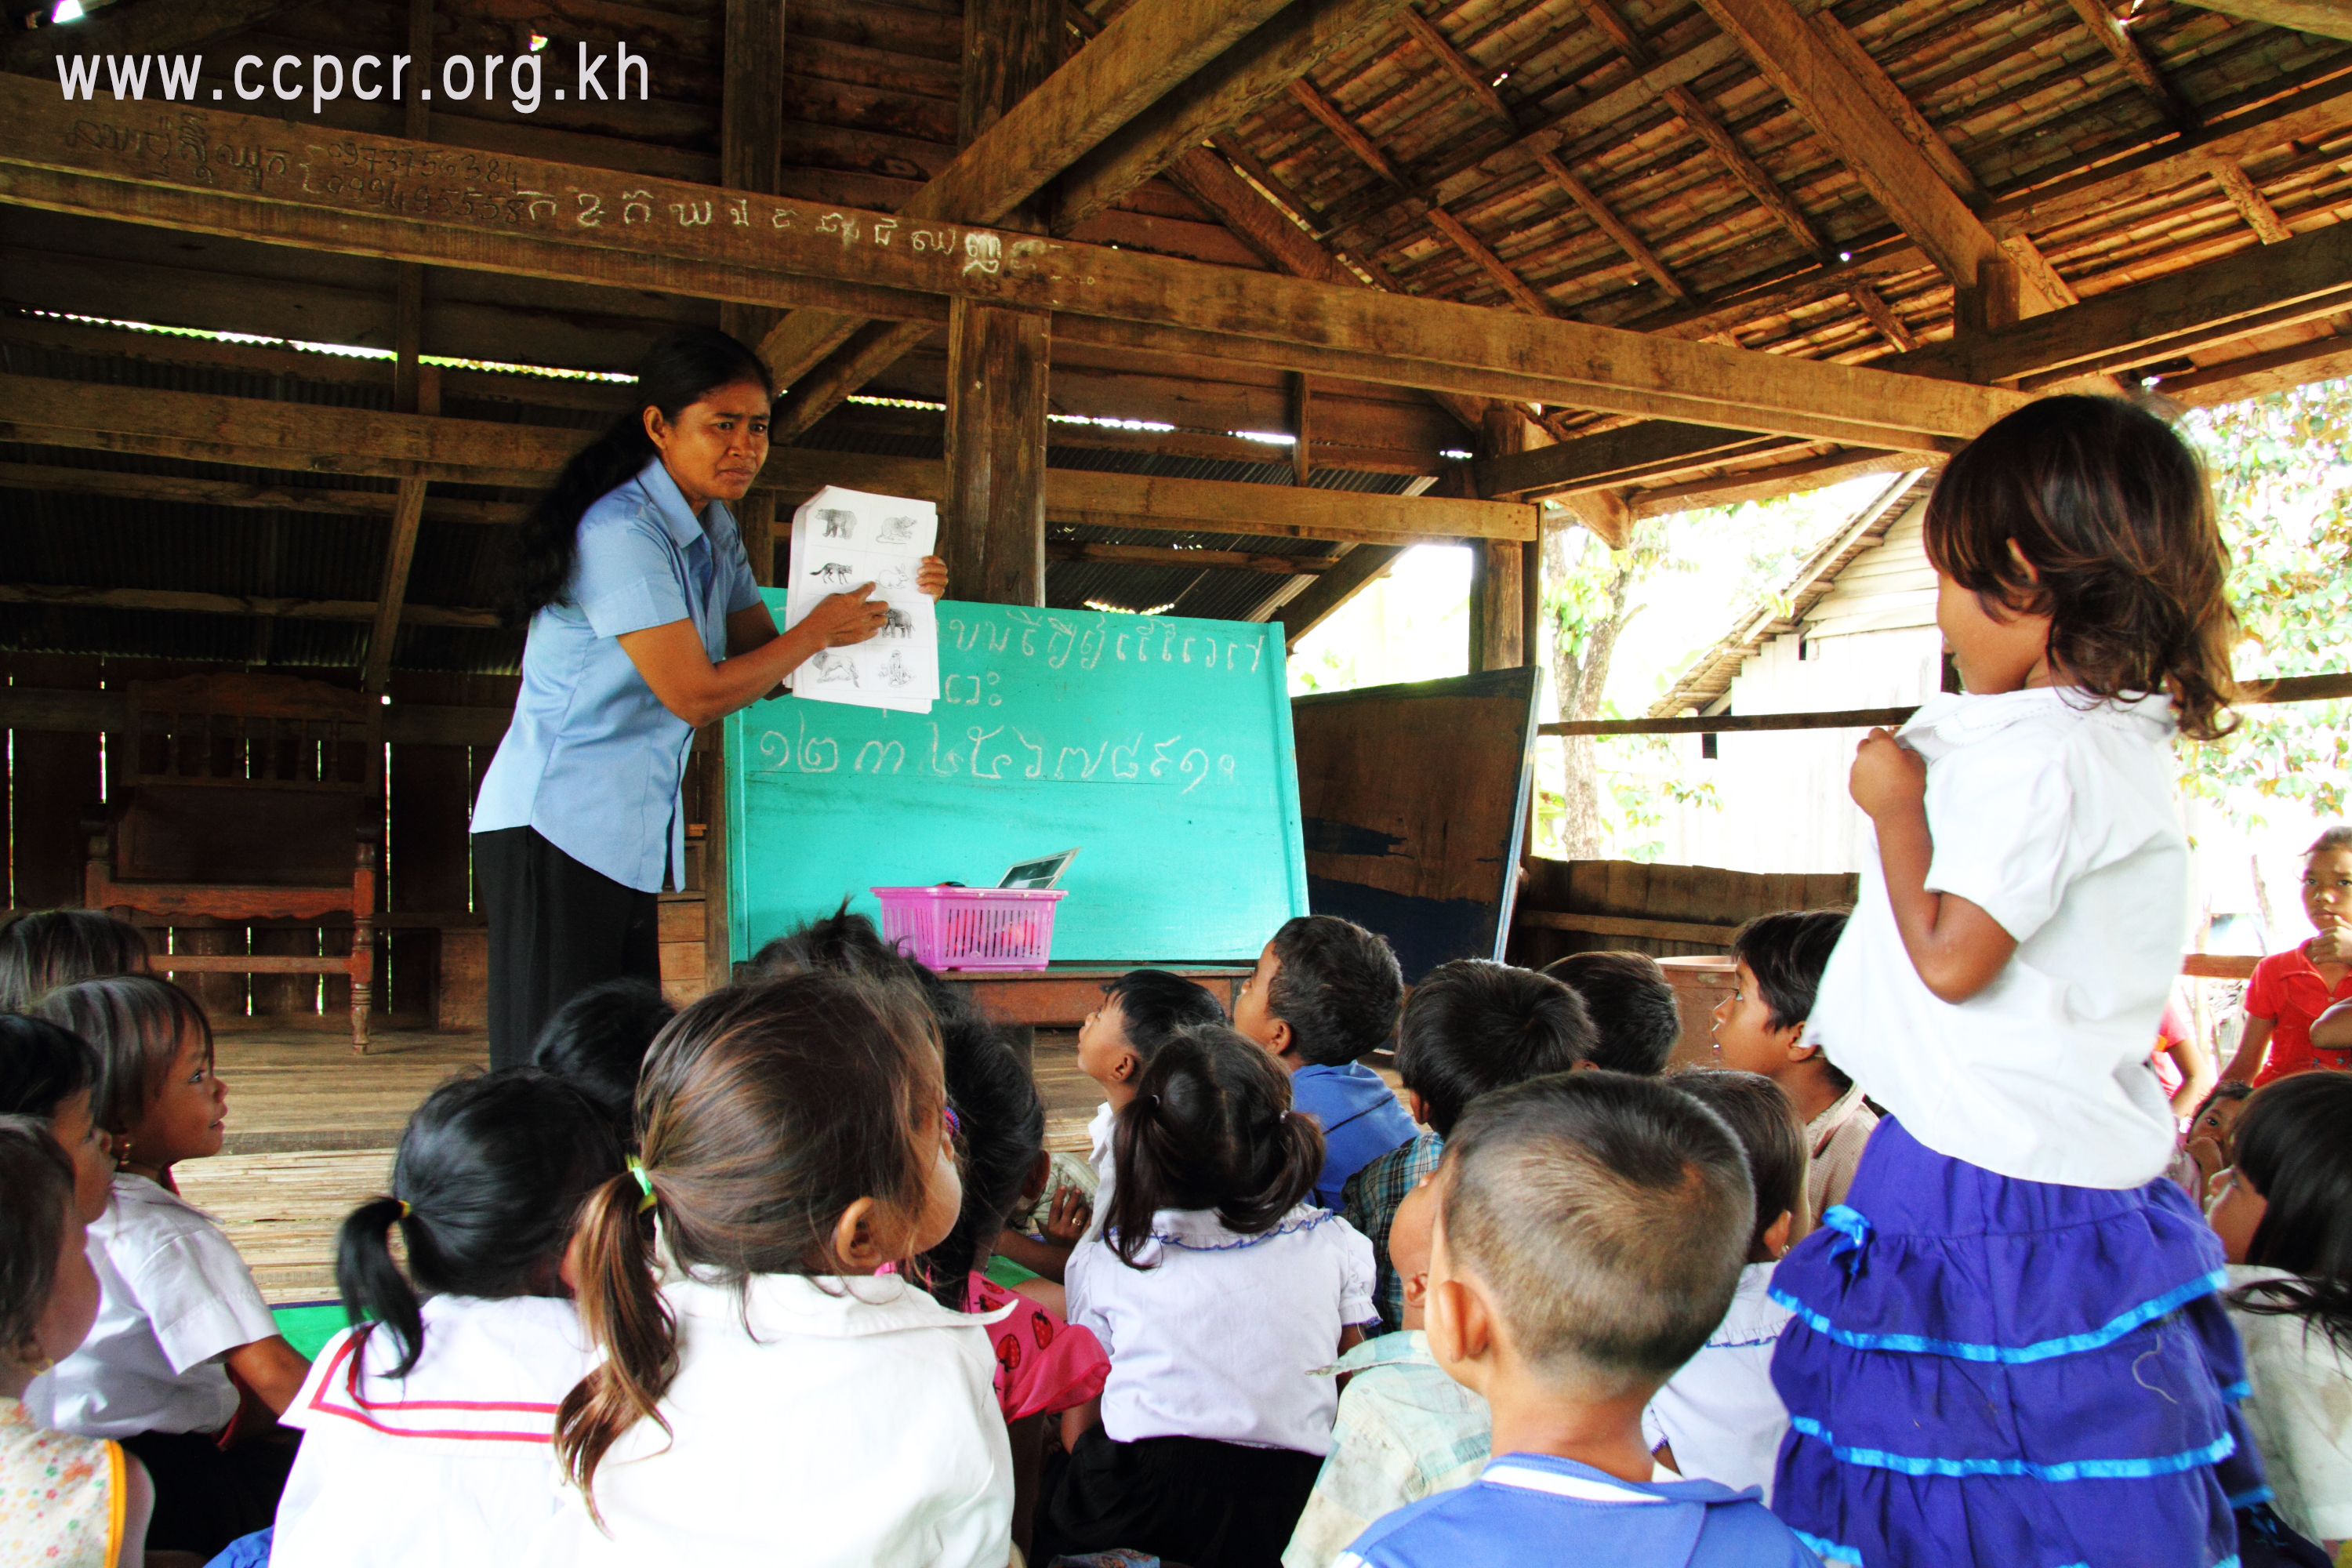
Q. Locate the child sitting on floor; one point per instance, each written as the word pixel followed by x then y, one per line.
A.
pixel 181 1313
pixel 1760 1028
pixel 1719 1419
pixel 1325 993
pixel 767 1393
pixel 1590 1232
pixel 48 1073
pixel 597 1043
pixel 1219 1292
pixel 448 1401
pixel 1472 1025
pixel 1142 1010
pixel 1632 1006
pixel 48 948
pixel 2290 990
pixel 65 1501
pixel 1406 1431
pixel 2286 1222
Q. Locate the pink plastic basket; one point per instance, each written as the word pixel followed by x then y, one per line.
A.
pixel 971 927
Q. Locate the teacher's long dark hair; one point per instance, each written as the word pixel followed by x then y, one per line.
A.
pixel 682 368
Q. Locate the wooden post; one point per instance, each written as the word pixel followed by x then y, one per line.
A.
pixel 1991 304
pixel 1499 568
pixel 751 137
pixel 992 510
pixel 1296 384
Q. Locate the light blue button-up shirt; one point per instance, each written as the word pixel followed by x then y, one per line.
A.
pixel 592 759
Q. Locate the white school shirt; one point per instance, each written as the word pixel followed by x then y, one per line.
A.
pixel 1223 1335
pixel 175 1298
pixel 1720 1411
pixel 467 1437
pixel 2299 1413
pixel 1102 1155
pixel 853 1425
pixel 2056 814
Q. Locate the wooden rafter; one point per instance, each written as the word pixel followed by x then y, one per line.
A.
pixel 2328 18
pixel 151 600
pixel 1880 314
pixel 1450 60
pixel 2117 41
pixel 1327 114
pixel 1493 266
pixel 1891 100
pixel 137 30
pixel 1610 224
pixel 2260 216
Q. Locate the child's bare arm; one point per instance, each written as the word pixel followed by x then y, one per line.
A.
pixel 2333 1028
pixel 1955 946
pixel 273 1369
pixel 1040 1258
pixel 2251 1047
pixel 2196 1078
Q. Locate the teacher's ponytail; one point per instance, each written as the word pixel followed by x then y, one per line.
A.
pixel 682 368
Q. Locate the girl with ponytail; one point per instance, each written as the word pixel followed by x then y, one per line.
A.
pixel 442 1394
pixel 646 623
pixel 767 1392
pixel 1220 1292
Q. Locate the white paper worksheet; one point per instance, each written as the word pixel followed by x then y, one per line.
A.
pixel 841 539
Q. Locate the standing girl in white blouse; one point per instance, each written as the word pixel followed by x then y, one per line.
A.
pixel 2009 1345
pixel 766 1398
pixel 1223 1297
pixel 450 1401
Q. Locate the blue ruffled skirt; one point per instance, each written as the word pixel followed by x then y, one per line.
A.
pixel 2012 1374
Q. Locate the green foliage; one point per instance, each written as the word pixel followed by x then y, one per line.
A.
pixel 2282 471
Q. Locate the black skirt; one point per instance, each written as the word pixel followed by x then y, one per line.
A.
pixel 557 927
pixel 1192 1501
pixel 206 1497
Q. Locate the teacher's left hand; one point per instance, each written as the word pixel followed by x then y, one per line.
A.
pixel 932 577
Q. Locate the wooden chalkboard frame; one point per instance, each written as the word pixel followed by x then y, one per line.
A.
pixel 1363 849
pixel 1176 910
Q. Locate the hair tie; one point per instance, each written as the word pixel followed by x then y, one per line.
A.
pixel 645 1182
pixel 405 1210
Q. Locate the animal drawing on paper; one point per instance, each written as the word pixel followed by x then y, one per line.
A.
pixel 896 673
pixel 897 623
pixel 833 574
pixel 892 576
pixel 838 524
pixel 833 669
pixel 897 531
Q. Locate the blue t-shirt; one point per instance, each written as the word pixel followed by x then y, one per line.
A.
pixel 1361 1118
pixel 592 759
pixel 1533 1508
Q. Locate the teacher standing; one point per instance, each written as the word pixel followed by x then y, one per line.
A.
pixel 645 624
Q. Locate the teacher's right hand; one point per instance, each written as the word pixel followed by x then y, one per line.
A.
pixel 840 619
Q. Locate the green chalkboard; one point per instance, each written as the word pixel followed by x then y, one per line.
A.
pixel 1159 746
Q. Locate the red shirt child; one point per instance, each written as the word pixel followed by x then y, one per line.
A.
pixel 2289 991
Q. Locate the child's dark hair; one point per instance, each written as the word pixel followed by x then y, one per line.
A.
pixel 2228 1088
pixel 1633 1007
pixel 2290 1144
pixel 136 1022
pixel 1210 1128
pixel 1000 1127
pixel 1764 1118
pixel 1787 952
pixel 39 1178
pixel 766 1110
pixel 846 943
pixel 42 1067
pixel 1154 1004
pixel 2337 839
pixel 50 948
pixel 1473 1026
pixel 1339 988
pixel 491 1173
pixel 597 1042
pixel 1607 1215
pixel 2109 510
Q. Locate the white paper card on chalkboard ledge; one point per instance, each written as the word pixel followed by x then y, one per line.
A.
pixel 841 539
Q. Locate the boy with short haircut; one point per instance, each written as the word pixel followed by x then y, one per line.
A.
pixel 1719 1419
pixel 1552 1293
pixel 1325 992
pixel 1472 1025
pixel 1633 1006
pixel 1405 1430
pixel 1760 1028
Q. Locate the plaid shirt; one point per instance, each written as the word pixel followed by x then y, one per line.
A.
pixel 1406 1431
pixel 1368 1202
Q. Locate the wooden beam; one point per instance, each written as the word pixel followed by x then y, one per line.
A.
pixel 1614 458
pixel 750 124
pixel 1880 314
pixel 140 29
pixel 155 599
pixel 407 513
pixel 1450 61
pixel 141 166
pixel 1185 559
pixel 1610 224
pixel 1301 435
pixel 1281 244
pixel 1900 111
pixel 1625 925
pixel 1605 514
pixel 2297 364
pixel 1357 570
pixel 2328 19
pixel 1253 73
pixel 1792 56
pixel 2260 216
pixel 1367 152
pixel 1763 483
pixel 233 493
pixel 1516 287
pixel 2118 42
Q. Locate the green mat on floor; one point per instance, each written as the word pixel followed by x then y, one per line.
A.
pixel 310 1324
